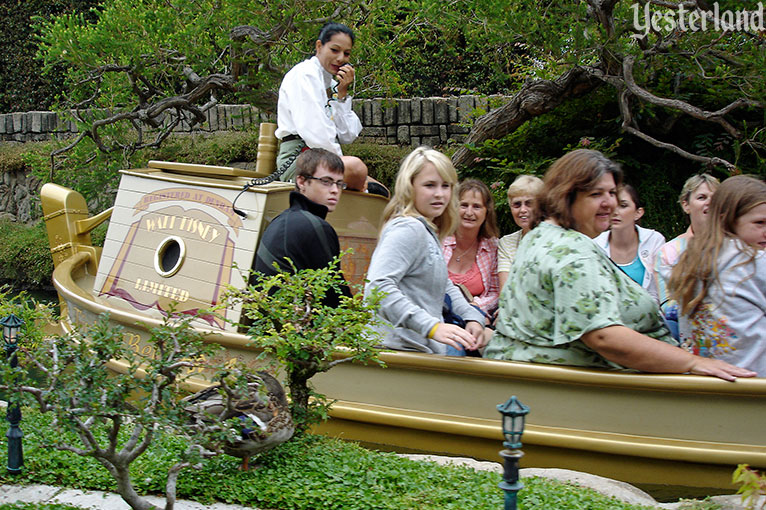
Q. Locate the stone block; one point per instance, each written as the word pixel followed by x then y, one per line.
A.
pixel 456 129
pixel 403 134
pixel 2 123
pixel 372 131
pixel 50 122
pixel 389 113
pixel 415 142
pixel 452 101
pixel 424 130
pixel 233 117
pixel 441 111
pixel 431 141
pixel 427 110
pixel 377 113
pixel 465 105
pixel 416 111
pixel 482 103
pixel 223 121
pixel 443 136
pixel 35 122
pixel 367 110
pixel 18 122
pixel 403 106
pixel 358 107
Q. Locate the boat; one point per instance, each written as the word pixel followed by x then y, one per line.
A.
pixel 173 236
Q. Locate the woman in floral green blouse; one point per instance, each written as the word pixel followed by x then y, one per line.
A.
pixel 566 303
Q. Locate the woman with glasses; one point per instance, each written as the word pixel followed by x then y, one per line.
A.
pixel 314 108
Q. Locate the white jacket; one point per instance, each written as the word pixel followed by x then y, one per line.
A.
pixel 649 243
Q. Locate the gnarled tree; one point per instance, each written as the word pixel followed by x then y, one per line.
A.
pixel 660 62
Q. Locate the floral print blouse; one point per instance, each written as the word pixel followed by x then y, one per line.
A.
pixel 562 286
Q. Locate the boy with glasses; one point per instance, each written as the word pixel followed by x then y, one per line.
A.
pixel 301 232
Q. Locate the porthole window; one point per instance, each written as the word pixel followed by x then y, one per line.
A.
pixel 169 256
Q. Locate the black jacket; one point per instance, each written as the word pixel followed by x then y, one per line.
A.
pixel 301 234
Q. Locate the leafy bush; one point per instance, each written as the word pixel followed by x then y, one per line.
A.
pixel 25 254
pixel 593 123
pixel 753 485
pixel 25 87
pixel 285 315
pixel 382 160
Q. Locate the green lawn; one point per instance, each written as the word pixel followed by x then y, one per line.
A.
pixel 307 473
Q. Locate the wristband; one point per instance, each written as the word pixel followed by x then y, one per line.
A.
pixel 433 330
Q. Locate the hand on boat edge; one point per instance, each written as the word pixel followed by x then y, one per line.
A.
pixel 718 368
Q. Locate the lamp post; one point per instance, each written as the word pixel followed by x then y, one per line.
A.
pixel 11 325
pixel 514 414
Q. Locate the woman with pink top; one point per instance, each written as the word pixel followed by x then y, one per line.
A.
pixel 471 254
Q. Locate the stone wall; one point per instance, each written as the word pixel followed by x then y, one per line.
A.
pixel 418 121
pixel 19 196
pixel 430 121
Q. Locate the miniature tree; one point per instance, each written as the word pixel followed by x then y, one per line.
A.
pixel 286 317
pixel 116 415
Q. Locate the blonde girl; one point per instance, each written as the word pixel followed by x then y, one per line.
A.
pixel 408 265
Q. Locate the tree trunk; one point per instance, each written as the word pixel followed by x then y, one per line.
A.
pixel 535 98
pixel 125 488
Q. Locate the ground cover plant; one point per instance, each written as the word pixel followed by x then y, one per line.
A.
pixel 36 506
pixel 307 473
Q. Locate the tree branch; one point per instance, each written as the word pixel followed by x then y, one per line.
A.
pixel 535 98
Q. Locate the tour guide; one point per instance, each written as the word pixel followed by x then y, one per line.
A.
pixel 301 233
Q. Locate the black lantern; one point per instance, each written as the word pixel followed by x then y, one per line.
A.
pixel 514 414
pixel 11 325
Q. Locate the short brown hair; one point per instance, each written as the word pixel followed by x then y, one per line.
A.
pixel 309 160
pixel 488 228
pixel 579 170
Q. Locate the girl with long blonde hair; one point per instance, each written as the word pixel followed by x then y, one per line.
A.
pixel 720 279
pixel 408 267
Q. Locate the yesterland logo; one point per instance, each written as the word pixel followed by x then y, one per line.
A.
pixel 667 20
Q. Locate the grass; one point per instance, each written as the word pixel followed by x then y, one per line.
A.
pixel 307 473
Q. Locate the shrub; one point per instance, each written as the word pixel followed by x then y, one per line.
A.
pixel 25 254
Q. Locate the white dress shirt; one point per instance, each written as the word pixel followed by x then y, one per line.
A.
pixel 303 110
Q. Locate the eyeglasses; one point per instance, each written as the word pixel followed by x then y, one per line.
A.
pixel 328 181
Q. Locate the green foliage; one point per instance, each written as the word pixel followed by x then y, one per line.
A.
pixel 219 149
pixel 382 160
pixel 657 175
pixel 753 485
pixel 22 86
pixel 286 316
pixel 307 472
pixel 67 376
pixel 25 254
